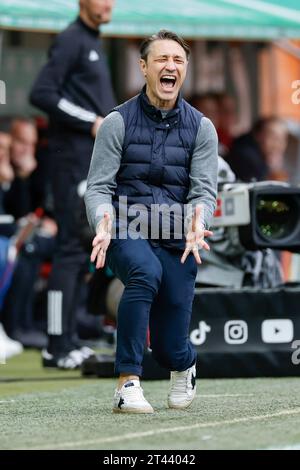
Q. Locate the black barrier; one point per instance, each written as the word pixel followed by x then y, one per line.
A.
pixel 237 333
pixel 245 333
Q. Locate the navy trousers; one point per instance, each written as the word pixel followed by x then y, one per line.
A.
pixel 158 293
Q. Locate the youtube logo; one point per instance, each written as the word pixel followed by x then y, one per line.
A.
pixel 277 331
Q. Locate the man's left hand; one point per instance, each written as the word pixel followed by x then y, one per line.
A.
pixel 195 237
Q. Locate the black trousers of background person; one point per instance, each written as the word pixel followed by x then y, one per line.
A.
pixel 18 309
pixel 69 266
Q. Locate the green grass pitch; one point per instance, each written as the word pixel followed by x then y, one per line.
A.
pixel 61 410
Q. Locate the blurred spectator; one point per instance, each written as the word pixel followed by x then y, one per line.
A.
pixel 221 109
pixel 6 171
pixel 74 89
pixel 18 312
pixel 24 140
pixel 259 155
pixel 208 105
pixel 227 121
pixel 272 138
pixel 9 347
pixel 22 156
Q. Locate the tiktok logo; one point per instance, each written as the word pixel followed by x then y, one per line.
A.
pixel 198 336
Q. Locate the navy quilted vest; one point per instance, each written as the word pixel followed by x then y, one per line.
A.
pixel 156 156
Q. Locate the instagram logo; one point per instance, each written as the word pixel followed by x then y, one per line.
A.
pixel 236 332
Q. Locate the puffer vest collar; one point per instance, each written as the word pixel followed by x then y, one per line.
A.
pixel 155 114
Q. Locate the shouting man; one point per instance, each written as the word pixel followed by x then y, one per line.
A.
pixel 154 152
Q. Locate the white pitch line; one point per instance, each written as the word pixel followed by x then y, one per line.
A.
pixel 225 395
pixel 155 432
pixel 288 447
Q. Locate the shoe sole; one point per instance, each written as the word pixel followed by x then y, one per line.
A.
pixel 54 365
pixel 181 407
pixel 132 410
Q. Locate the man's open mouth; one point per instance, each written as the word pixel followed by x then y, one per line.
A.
pixel 168 82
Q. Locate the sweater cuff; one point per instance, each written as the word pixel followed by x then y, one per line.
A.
pixel 101 209
pixel 189 216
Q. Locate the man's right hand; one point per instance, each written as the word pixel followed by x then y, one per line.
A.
pixel 101 241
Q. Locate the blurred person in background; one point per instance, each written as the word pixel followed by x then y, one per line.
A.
pixel 6 170
pixel 18 314
pixel 24 138
pixel 227 122
pixel 9 347
pixel 221 108
pixel 272 137
pixel 74 89
pixel 207 103
pixel 259 155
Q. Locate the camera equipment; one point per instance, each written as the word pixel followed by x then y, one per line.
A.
pixel 267 214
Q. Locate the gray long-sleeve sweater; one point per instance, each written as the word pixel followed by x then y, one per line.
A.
pixel 105 163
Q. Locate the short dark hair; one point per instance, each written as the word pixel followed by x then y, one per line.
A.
pixel 163 34
pixel 196 97
pixel 262 123
pixel 23 120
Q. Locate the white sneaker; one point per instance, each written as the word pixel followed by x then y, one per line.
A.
pixel 9 347
pixel 72 360
pixel 182 388
pixel 86 352
pixel 130 399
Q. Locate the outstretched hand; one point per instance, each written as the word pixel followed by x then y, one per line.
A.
pixel 101 241
pixel 195 237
